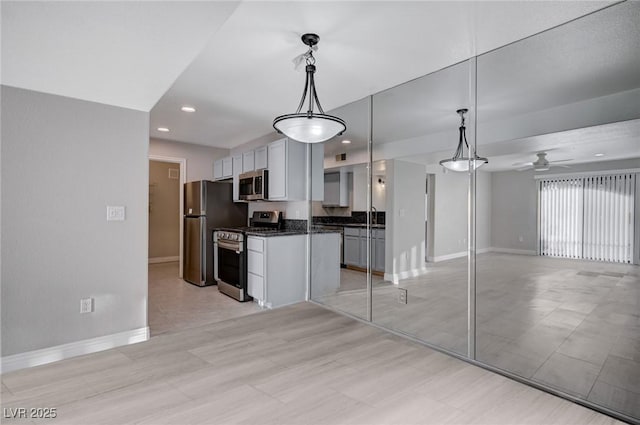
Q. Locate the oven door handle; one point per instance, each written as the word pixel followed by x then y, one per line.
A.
pixel 230 246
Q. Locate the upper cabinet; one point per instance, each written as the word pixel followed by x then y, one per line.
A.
pixel 261 158
pixel 223 168
pixel 227 167
pixel 248 162
pixel 288 170
pixel 217 169
pixel 336 189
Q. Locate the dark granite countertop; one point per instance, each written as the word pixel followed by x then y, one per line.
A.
pixel 286 232
pixel 358 225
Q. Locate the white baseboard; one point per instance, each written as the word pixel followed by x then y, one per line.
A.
pixel 156 260
pixel 72 349
pixel 480 251
pixel 447 256
pixel 397 277
pixel 513 251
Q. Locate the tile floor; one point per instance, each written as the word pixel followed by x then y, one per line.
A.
pixel 570 324
pixel 301 364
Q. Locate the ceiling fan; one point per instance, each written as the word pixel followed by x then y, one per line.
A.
pixel 541 164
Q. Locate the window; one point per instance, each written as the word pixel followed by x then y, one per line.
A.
pixel 587 217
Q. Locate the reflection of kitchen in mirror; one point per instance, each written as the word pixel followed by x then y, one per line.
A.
pixel 345 207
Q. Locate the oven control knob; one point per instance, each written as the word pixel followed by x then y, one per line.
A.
pixel 223 235
pixel 234 237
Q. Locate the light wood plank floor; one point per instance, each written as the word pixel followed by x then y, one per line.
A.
pixel 300 364
pixel 175 304
pixel 572 325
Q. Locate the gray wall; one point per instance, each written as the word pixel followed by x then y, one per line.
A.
pixel 514 210
pixel 514 202
pixel 451 200
pixel 199 158
pixel 63 162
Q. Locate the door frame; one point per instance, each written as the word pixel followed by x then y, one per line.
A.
pixel 183 179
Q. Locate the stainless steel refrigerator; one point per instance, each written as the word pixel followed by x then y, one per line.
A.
pixel 207 205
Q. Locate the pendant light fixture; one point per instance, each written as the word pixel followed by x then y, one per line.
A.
pixel 460 162
pixel 310 126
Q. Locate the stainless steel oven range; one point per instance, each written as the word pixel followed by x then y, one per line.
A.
pixel 230 253
pixel 230 263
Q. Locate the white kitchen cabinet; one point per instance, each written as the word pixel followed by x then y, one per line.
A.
pixel 355 248
pixel 277 152
pixel 276 269
pixel 336 189
pixel 352 250
pixel 237 168
pixel 378 250
pixel 217 169
pixel 288 170
pixel 227 167
pixel 261 158
pixel 248 162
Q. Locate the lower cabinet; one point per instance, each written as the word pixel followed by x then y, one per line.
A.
pixel 355 248
pixel 276 269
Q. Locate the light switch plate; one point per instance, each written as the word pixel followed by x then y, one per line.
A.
pixel 115 213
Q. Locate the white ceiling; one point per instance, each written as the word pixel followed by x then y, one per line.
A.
pixel 236 56
pixel 125 53
pixel 244 77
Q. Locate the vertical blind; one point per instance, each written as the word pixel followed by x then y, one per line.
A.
pixel 587 217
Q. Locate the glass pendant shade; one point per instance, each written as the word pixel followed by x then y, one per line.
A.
pixel 314 129
pixel 462 164
pixel 310 126
pixel 459 162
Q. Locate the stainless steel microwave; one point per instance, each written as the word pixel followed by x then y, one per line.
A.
pixel 254 186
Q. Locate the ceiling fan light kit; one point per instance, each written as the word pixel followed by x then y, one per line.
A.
pixel 459 162
pixel 310 126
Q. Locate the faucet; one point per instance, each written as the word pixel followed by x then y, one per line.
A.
pixel 374 218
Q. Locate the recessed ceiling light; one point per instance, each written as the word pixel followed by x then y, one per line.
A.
pixel 188 109
pixel 599 154
pixel 163 129
pixel 346 142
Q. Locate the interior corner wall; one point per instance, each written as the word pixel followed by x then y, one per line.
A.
pixel 199 158
pixel 63 161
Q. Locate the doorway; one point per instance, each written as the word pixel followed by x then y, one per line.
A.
pixel 167 176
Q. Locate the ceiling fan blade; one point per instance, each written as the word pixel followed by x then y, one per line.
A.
pixel 561 160
pixel 528 167
pixel 521 163
pixel 561 166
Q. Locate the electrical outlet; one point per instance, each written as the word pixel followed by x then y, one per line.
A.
pixel 520 238
pixel 86 305
pixel 402 296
